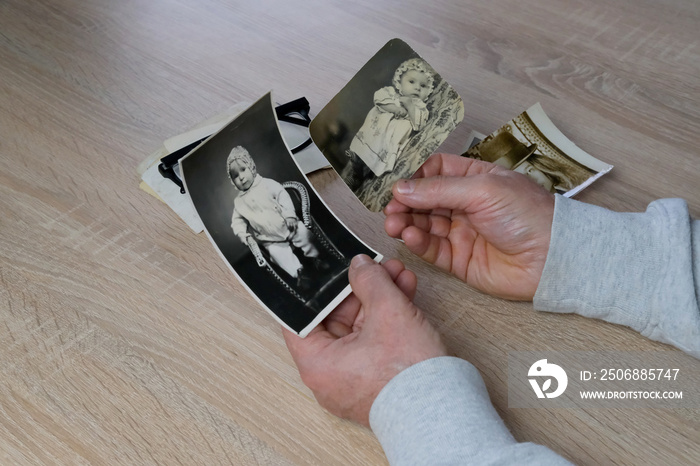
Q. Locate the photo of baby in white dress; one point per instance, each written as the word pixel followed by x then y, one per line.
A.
pixel 399 110
pixel 410 110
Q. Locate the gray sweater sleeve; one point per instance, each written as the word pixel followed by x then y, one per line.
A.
pixel 641 270
pixel 438 412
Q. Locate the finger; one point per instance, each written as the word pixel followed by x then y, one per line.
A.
pixel 441 212
pixel 340 322
pixel 343 316
pixel 395 207
pixel 395 224
pixel 302 348
pixel 434 249
pixel 338 328
pixel 444 192
pixel 404 279
pixel 394 267
pixel 407 283
pixel 454 165
pixel 372 284
pixel 438 225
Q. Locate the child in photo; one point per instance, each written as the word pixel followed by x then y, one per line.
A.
pixel 263 211
pixel 399 110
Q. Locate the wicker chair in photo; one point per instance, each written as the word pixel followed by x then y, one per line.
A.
pixel 300 195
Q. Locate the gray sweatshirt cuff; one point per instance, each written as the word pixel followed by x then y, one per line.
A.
pixel 634 269
pixel 439 412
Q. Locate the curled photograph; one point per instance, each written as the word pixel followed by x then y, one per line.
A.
pixel 530 144
pixel 389 118
pixel 268 223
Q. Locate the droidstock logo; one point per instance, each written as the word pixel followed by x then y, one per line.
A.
pixel 542 369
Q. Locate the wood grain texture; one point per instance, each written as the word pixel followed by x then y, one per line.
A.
pixel 124 339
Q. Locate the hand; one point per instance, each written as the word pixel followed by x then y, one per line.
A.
pixel 408 103
pixel 374 334
pixel 401 112
pixel 487 225
pixel 398 110
pixel 291 224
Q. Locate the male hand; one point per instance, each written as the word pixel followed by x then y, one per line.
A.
pixel 374 334
pixel 487 225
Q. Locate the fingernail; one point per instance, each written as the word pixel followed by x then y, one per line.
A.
pixel 405 186
pixel 360 260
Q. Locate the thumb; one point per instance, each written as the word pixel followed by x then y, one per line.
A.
pixel 448 192
pixel 373 285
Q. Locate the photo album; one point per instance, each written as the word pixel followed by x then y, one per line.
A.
pixel 275 233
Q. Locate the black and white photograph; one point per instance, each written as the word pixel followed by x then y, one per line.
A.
pixel 532 145
pixel 268 223
pixel 389 118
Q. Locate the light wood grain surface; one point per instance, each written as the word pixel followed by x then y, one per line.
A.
pixel 124 339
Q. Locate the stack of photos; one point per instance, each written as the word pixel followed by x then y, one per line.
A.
pixel 389 118
pixel 532 145
pixel 268 223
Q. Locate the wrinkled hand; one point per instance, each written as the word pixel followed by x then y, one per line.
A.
pixel 487 225
pixel 291 224
pixel 374 334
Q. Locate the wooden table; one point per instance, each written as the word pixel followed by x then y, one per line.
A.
pixel 123 336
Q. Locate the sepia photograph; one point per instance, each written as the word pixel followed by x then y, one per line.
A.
pixel 473 139
pixel 268 223
pixel 530 144
pixel 389 118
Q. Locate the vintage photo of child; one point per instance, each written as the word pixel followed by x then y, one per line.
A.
pixel 386 122
pixel 268 223
pixel 530 144
pixel 398 111
pixel 263 212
